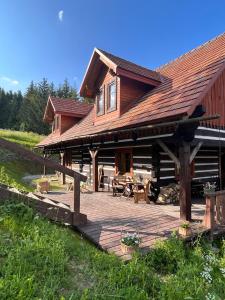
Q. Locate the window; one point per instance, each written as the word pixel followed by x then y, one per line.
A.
pixel 55 124
pixel 111 96
pixel 100 102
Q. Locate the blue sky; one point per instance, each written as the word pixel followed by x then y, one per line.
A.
pixel 55 38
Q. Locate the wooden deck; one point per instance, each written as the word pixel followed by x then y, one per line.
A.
pixel 108 216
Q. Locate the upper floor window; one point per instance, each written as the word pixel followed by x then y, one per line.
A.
pixel 55 123
pixel 111 105
pixel 100 102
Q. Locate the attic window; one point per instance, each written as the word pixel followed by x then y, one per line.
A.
pixel 111 104
pixel 100 102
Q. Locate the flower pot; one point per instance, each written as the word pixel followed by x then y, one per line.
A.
pixel 185 231
pixel 128 249
pixel 209 191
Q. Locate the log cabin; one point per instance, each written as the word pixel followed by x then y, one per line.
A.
pixel 167 123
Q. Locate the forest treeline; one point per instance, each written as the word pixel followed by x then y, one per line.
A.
pixel 25 112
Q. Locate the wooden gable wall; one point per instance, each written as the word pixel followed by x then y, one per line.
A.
pixel 127 90
pixel 130 90
pixel 214 100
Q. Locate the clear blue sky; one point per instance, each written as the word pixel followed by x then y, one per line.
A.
pixel 35 43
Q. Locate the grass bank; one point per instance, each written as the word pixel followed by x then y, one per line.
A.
pixel 26 139
pixel 14 168
pixel 40 260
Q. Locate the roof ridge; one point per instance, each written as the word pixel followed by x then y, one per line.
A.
pixel 189 52
pixel 140 66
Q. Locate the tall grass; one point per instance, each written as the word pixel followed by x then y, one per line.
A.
pixel 26 139
pixel 12 167
pixel 40 260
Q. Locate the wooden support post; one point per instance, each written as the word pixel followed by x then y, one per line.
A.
pixel 94 156
pixel 185 182
pixel 75 205
pixel 63 175
pixel 44 167
pixel 209 218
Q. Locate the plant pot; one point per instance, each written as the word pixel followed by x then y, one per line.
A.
pixel 209 191
pixel 128 249
pixel 185 231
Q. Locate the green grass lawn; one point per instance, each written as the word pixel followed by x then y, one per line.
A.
pixel 41 260
pixel 26 139
pixel 14 168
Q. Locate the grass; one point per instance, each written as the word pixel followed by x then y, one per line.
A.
pixel 14 168
pixel 41 260
pixel 26 139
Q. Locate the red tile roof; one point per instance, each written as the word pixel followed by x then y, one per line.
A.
pixel 185 82
pixel 129 66
pixel 70 106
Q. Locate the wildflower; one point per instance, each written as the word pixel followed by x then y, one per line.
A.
pixel 206 273
pixel 222 271
pixel 210 297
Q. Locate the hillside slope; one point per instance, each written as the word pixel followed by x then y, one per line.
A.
pixel 14 168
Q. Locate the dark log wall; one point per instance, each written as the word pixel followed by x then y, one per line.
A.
pixel 214 101
pixel 167 169
pixel 206 165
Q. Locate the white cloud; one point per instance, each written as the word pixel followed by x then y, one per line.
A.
pixel 9 80
pixel 60 15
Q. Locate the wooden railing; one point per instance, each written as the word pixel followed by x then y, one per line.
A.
pixel 29 155
pixel 214 210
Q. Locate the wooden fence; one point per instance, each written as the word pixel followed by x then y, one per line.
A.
pixel 215 210
pixel 29 155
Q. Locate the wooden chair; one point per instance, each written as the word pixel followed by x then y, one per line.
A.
pixel 117 187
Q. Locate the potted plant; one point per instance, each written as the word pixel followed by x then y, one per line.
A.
pixel 130 243
pixel 185 229
pixel 209 187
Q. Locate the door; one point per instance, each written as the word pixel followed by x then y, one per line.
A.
pixel 124 162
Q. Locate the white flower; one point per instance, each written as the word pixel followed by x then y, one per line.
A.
pixel 222 271
pixel 210 297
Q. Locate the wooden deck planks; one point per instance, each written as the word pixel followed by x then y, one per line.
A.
pixel 108 216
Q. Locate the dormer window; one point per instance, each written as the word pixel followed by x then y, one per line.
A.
pixel 111 103
pixel 100 102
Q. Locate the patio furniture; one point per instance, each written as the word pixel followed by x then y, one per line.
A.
pixel 69 186
pixel 139 192
pixel 118 185
pixel 105 180
pixel 43 186
pixel 152 191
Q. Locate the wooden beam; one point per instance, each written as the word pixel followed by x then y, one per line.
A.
pixel 63 160
pixel 170 153
pixel 195 151
pixel 94 156
pixel 185 182
pixel 42 161
pixel 75 205
pixel 44 167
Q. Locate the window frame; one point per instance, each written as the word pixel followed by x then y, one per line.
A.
pixel 110 109
pixel 100 113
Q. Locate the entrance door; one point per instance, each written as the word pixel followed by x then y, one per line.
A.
pixel 124 162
